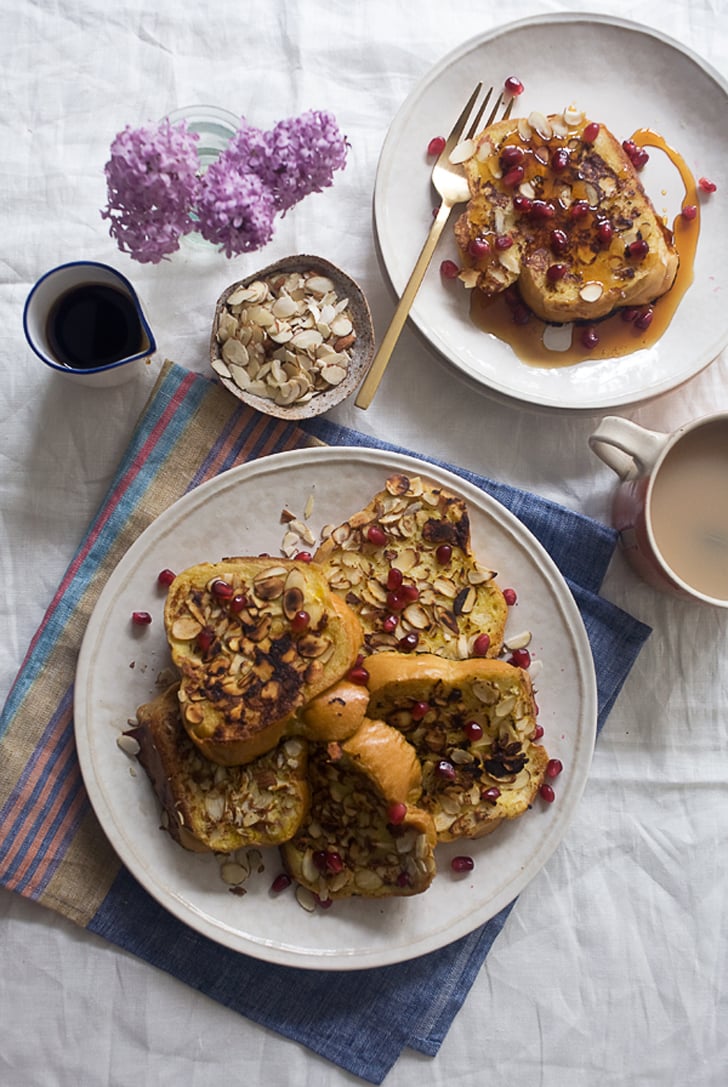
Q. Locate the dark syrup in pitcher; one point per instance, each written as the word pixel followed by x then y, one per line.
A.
pixel 94 324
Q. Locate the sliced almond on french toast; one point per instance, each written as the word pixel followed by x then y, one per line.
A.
pixel 404 565
pixel 470 723
pixel 219 808
pixel 364 833
pixel 558 208
pixel 254 639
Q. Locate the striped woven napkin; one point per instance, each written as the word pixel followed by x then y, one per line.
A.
pixel 53 849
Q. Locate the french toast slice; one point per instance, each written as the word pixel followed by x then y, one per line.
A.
pixel 404 564
pixel 219 808
pixel 364 833
pixel 254 639
pixel 470 723
pixel 558 208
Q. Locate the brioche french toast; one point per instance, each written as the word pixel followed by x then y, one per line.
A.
pixel 219 808
pixel 254 639
pixel 404 564
pixel 364 833
pixel 557 207
pixel 470 723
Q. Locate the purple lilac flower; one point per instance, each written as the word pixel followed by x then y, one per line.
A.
pixel 302 155
pixel 235 209
pixel 152 186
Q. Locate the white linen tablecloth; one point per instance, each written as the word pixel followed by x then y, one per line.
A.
pixel 612 967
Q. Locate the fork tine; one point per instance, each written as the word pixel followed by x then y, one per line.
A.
pixel 494 111
pixel 457 129
pixel 476 120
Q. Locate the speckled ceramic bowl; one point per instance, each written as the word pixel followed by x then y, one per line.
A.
pixel 336 351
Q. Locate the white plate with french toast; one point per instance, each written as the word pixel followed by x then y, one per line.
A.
pixel 632 80
pixel 123 666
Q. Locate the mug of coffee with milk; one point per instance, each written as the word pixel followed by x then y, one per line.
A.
pixel 671 507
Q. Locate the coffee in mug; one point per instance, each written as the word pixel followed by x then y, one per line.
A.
pixel 671 508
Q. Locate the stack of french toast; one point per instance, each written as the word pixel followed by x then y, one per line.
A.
pixel 352 708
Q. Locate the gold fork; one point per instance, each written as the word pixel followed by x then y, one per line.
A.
pixel 451 184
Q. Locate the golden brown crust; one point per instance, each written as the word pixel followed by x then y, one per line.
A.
pixel 598 274
pixel 209 807
pixel 254 639
pixel 334 715
pixel 348 844
pixel 406 530
pixel 470 782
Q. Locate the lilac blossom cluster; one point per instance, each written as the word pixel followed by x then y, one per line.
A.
pixel 157 193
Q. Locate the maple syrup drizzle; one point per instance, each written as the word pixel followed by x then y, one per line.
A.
pixel 617 337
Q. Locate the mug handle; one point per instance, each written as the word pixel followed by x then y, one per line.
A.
pixel 628 449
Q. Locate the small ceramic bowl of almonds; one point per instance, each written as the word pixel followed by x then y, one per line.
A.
pixel 294 339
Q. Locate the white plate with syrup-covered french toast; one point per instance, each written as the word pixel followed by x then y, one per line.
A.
pixel 455 752
pixel 579 73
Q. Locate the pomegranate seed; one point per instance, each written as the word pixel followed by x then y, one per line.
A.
pixel 396 813
pixel 141 618
pixel 462 864
pixel 396 601
pixel 520 658
pixel 513 85
pixel 579 210
pixel 478 248
pixel 165 577
pixel 237 603
pixel 643 319
pixel 481 645
pixel 327 862
pixel 541 209
pixel 554 768
pixel 605 231
pixel 419 710
pixel 629 314
pixel 523 204
pixel 512 296
pixel 491 793
pixel 445 770
pixel 404 879
pixel 376 535
pixel 204 639
pixel 510 597
pixel 390 624
pixel 589 338
pixel 707 185
pixel 436 145
pixel 591 132
pixel 409 643
pixel 537 732
pixel 304 556
pixel 359 675
pixel 559 159
pixel 514 177
pixel 503 241
pixel 521 315
pixel 324 903
pixel 410 593
pixel 547 793
pixel 280 883
pixel 443 554
pixel 636 155
pixel 300 621
pixel 512 155
pixel 474 731
pixel 394 578
pixel 559 241
pixel 637 249
pixel 449 269
pixel 689 212
pixel 222 589
pixel 555 272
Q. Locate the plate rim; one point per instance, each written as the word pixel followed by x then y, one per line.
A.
pixel 284 952
pixel 490 387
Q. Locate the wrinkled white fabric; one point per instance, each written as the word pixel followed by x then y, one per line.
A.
pixel 612 968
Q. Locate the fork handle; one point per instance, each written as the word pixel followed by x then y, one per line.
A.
pixel 381 359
